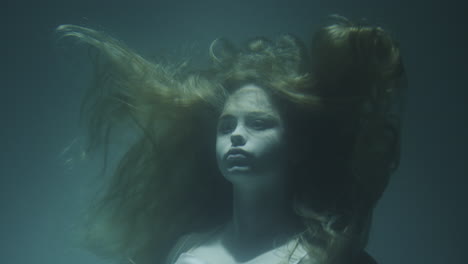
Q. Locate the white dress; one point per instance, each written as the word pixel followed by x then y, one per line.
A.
pixel 286 254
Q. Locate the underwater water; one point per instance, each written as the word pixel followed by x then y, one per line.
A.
pixel 44 186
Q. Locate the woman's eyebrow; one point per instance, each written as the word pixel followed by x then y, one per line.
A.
pixel 260 114
pixel 253 114
pixel 225 116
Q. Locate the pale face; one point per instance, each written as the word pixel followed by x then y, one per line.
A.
pixel 250 142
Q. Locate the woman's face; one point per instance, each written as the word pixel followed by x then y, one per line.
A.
pixel 250 142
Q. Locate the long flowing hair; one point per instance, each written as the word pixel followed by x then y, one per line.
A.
pixel 339 105
pixel 358 74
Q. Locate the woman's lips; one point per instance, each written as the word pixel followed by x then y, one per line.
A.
pixel 236 153
pixel 232 157
pixel 237 158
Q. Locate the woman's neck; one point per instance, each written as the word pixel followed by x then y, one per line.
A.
pixel 262 217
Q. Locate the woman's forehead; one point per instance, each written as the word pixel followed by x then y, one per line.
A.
pixel 249 98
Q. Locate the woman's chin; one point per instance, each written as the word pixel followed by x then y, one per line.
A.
pixel 238 174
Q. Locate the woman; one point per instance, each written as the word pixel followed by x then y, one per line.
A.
pixel 269 156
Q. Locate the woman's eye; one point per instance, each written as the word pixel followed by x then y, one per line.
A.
pixel 260 124
pixel 226 126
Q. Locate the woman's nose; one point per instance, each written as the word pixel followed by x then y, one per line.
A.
pixel 237 140
pixel 238 137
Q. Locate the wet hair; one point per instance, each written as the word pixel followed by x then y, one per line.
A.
pixel 358 75
pixel 338 103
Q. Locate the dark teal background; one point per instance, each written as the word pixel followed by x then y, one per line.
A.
pixel 422 217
